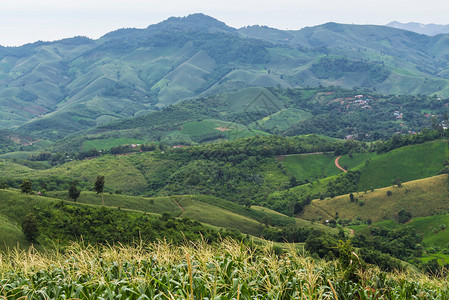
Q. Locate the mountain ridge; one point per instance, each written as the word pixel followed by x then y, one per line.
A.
pixel 75 84
pixel 427 29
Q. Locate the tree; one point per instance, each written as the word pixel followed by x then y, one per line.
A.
pixel 29 227
pixel 397 182
pixel 404 216
pixel 99 185
pixel 248 203
pixel 293 181
pixel 26 186
pixel 3 185
pixel 74 192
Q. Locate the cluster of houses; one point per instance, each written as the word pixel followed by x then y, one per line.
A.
pixel 357 101
pixel 398 115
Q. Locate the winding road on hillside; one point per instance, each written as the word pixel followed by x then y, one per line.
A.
pixel 338 165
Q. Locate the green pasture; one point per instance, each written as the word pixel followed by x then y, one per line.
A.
pixel 99 144
pixel 310 166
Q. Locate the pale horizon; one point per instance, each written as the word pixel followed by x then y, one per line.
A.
pixel 28 21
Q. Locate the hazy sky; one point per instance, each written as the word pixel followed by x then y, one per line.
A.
pixel 24 21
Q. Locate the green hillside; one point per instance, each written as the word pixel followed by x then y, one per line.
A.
pixel 430 228
pixel 423 197
pixel 332 112
pixel 189 206
pixel 310 166
pixel 377 170
pixel 52 89
pixel 215 212
pixel 14 207
pixel 407 163
pixel 99 144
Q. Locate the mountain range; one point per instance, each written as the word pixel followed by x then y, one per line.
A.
pixel 428 29
pixel 74 84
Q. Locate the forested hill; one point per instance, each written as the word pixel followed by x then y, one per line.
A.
pixel 77 83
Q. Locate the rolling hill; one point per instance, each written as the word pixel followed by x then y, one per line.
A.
pixel 52 89
pixel 213 212
pixel 333 112
pixel 422 197
pixel 369 170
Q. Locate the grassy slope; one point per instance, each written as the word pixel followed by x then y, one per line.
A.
pixel 124 172
pixel 157 205
pixel 210 214
pixel 14 206
pixel 407 163
pixel 208 210
pixel 310 166
pixel 356 160
pixel 282 120
pixel 422 197
pixel 189 206
pixel 100 144
pixel 377 170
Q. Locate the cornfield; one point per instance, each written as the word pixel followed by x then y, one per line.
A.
pixel 229 270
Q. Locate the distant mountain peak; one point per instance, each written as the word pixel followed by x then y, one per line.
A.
pixel 427 29
pixel 197 21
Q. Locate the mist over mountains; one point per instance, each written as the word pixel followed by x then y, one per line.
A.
pixel 428 29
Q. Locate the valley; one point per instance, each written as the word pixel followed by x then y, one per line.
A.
pixel 195 160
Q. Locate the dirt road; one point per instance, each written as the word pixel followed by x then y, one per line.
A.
pixel 338 165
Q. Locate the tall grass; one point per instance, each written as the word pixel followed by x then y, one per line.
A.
pixel 229 270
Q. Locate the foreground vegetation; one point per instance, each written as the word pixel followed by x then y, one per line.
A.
pixel 228 270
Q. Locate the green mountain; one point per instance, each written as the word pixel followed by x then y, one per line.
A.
pixel 69 85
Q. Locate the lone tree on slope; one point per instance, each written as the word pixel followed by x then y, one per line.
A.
pixel 26 187
pixel 99 185
pixel 74 192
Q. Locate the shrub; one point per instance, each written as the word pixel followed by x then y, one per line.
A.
pixel 404 216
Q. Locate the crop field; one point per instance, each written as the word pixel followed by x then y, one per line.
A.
pixel 228 270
